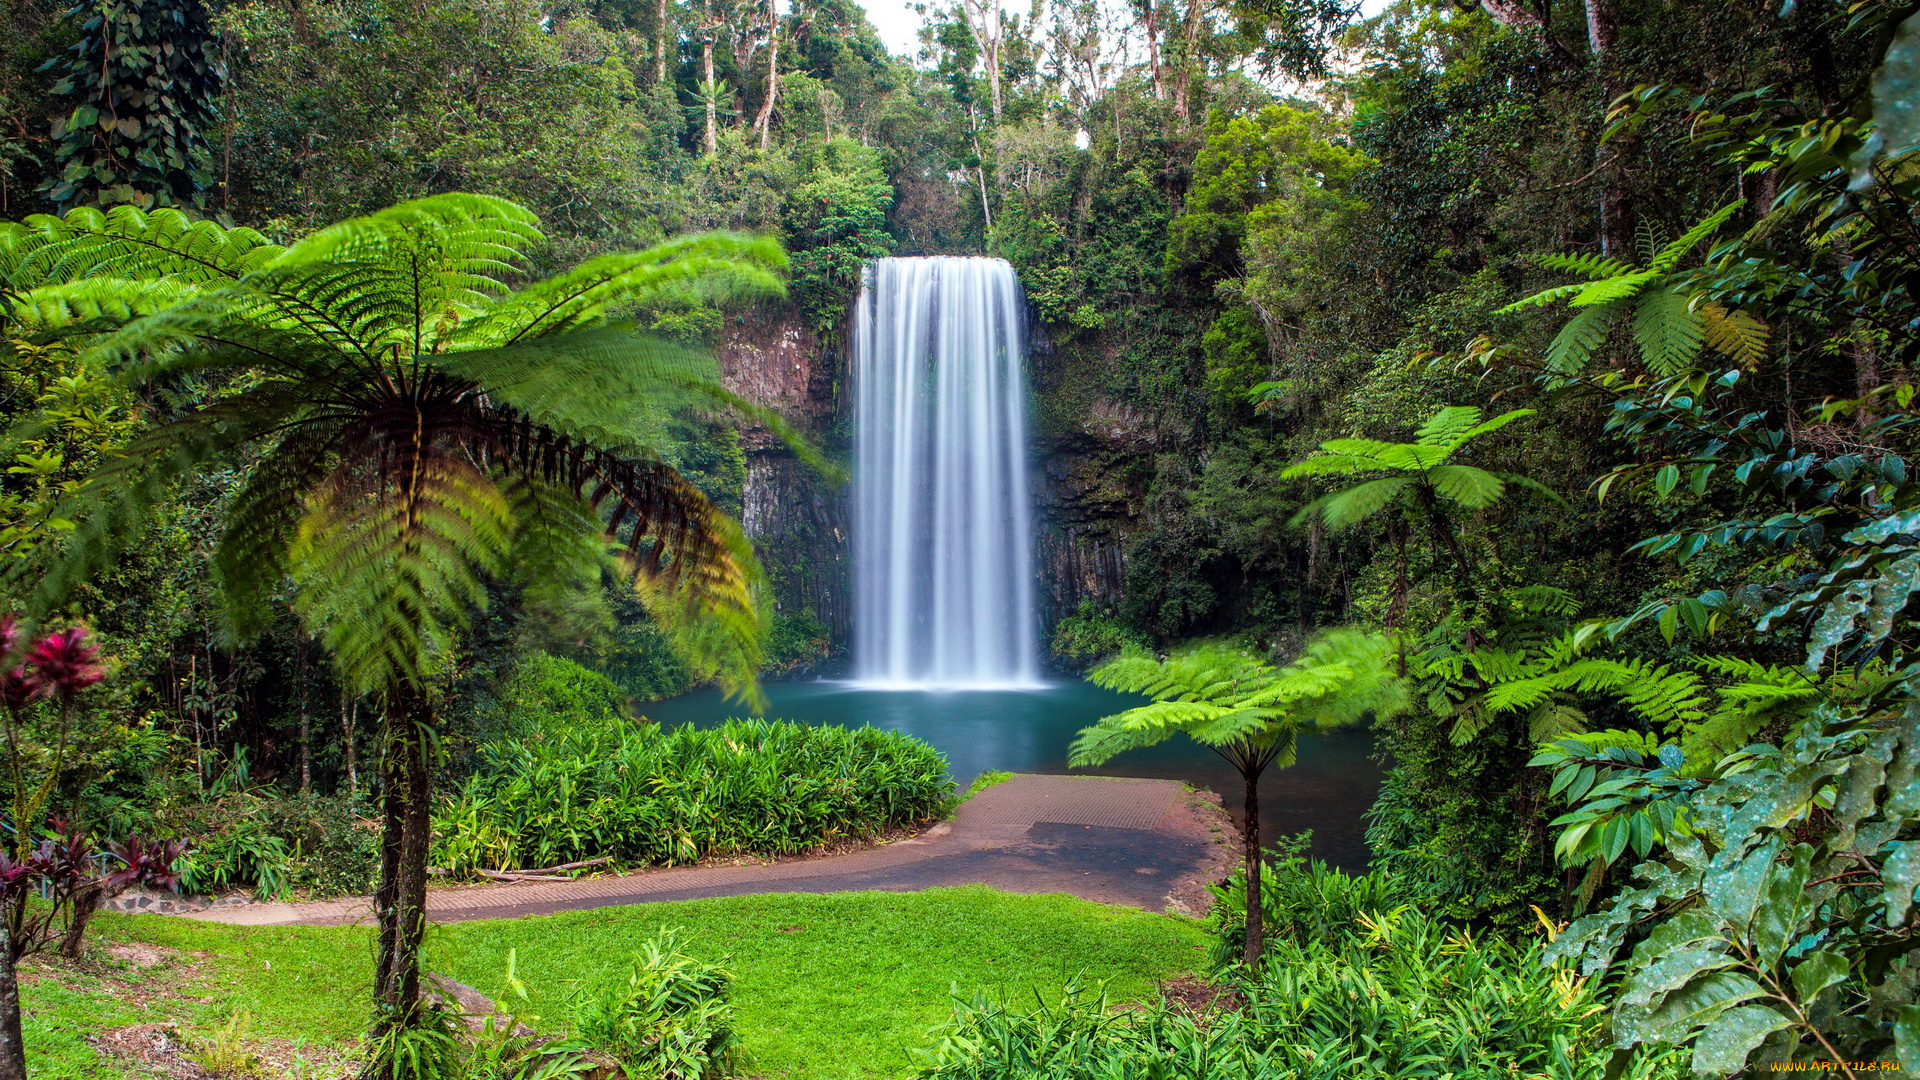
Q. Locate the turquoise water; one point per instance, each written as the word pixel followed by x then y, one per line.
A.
pixel 1029 731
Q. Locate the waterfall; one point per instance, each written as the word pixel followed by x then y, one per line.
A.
pixel 942 532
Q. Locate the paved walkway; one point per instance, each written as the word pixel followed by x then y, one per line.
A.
pixel 1143 843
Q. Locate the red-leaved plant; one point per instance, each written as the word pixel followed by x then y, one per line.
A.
pixel 41 691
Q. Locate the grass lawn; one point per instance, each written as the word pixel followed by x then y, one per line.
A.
pixel 843 985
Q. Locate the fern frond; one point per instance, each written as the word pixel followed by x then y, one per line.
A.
pixel 1668 331
pixel 1492 425
pixel 387 580
pixel 1624 287
pixel 126 242
pixel 1670 256
pixel 250 562
pixel 1577 341
pixel 1543 298
pixel 716 266
pixel 1470 487
pixel 1590 266
pixel 1349 507
pixel 1534 486
pixel 1448 427
pixel 1734 334
pixel 1555 721
pixel 102 300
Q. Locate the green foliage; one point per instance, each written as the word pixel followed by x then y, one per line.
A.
pixel 797 642
pixel 640 795
pixel 1092 634
pixel 1423 472
pixel 551 693
pixel 1226 699
pixel 1670 325
pixel 142 82
pixel 669 1018
pixel 1271 171
pixel 837 223
pixel 1394 992
pixel 1779 915
pixel 537 377
pixel 1302 900
pixel 272 843
pixel 986 780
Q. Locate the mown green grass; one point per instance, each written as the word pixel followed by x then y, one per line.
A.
pixel 828 987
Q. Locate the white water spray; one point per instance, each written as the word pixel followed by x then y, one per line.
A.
pixel 942 534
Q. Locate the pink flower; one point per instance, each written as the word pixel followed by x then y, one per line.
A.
pixel 64 664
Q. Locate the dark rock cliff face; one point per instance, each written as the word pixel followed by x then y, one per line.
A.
pixel 797 519
pixel 1086 506
pixel 800 523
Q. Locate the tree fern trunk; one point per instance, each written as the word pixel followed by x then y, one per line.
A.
pixel 400 903
pixel 1250 844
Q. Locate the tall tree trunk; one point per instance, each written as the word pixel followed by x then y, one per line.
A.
pixel 1603 27
pixel 13 1047
pixel 1190 26
pixel 709 89
pixel 347 724
pixel 1250 845
pixel 400 902
pixel 1616 210
pixel 306 723
pixel 764 121
pixel 661 38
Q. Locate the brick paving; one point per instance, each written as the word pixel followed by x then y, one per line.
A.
pixel 1114 840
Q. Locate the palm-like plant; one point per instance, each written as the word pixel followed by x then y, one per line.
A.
pixel 412 429
pixel 1248 712
pixel 1424 476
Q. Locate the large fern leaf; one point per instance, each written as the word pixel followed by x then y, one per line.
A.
pixel 1668 331
pixel 1580 338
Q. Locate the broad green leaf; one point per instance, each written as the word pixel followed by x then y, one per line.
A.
pixel 1697 1003
pixel 1733 896
pixel 1723 1046
pixel 1906 1038
pixel 1901 873
pixel 1896 88
pixel 1779 918
pixel 1815 972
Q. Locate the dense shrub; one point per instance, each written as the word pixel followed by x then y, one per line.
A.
pixel 271 843
pixel 642 795
pixel 1303 900
pixel 669 1018
pixel 1092 633
pixel 551 692
pixel 1396 993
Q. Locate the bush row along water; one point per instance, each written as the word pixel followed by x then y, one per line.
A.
pixel 641 795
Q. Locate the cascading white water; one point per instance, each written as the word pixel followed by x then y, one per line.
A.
pixel 942 534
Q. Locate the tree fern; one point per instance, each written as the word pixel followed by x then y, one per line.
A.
pixel 1246 710
pixel 416 431
pixel 1424 477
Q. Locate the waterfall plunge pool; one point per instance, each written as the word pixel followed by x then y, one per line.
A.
pixel 1028 731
